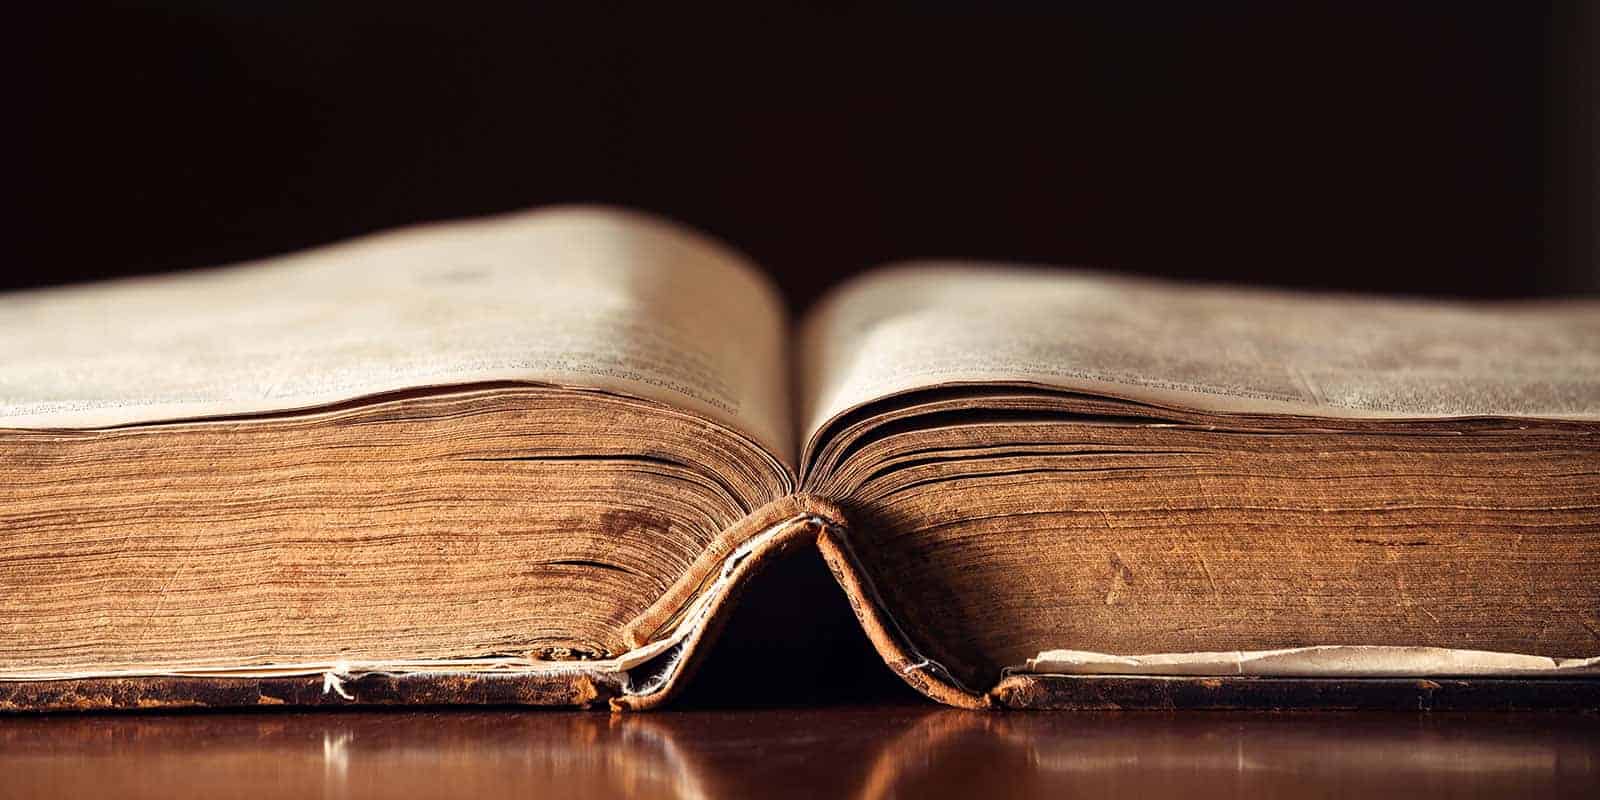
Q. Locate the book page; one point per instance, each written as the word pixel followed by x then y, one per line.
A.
pixel 1215 349
pixel 1348 661
pixel 578 297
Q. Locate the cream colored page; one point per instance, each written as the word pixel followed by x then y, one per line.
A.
pixel 1212 349
pixel 581 297
pixel 1351 661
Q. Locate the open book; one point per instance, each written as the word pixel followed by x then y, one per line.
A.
pixel 532 459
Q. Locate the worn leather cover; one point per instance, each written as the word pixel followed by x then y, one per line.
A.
pixel 695 609
pixel 371 689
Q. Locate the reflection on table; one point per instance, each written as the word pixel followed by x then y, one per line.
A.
pixel 897 751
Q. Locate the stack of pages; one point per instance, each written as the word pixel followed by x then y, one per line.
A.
pixel 532 459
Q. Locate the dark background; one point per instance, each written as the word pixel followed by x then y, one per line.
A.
pixel 1439 148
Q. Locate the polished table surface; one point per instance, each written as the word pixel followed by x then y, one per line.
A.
pixel 902 750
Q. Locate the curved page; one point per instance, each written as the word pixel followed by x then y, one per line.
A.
pixel 1215 349
pixel 579 297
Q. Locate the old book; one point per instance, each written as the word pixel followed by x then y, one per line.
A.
pixel 532 459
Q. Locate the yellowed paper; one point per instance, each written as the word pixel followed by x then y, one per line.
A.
pixel 1330 661
pixel 1212 349
pixel 580 297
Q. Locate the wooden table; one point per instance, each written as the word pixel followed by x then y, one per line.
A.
pixel 901 750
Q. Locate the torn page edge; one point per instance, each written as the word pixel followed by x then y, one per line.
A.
pixel 334 673
pixel 1323 661
pixel 916 661
pixel 675 646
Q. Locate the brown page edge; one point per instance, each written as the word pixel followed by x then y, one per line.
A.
pixel 696 607
pixel 708 591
